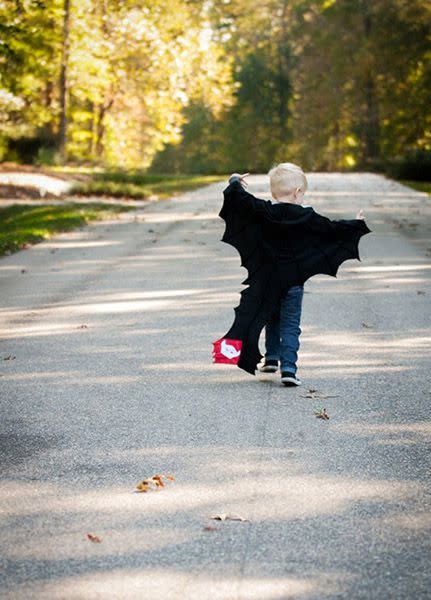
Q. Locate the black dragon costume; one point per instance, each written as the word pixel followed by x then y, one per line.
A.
pixel 280 245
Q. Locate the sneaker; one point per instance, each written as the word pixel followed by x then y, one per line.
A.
pixel 269 366
pixel 290 379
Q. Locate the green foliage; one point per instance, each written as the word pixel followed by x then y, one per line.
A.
pixel 137 185
pixel 24 224
pixel 364 71
pixel 196 86
pixel 414 165
pixel 421 186
pixel 132 68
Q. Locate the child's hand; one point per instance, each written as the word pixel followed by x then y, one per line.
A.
pixel 240 177
pixel 360 214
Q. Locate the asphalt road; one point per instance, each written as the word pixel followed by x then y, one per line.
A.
pixel 106 378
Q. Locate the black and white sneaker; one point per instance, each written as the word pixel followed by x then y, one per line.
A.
pixel 269 366
pixel 290 379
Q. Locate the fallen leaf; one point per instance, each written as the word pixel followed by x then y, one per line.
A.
pixel 210 528
pixel 366 325
pixel 228 517
pixel 23 270
pixel 9 357
pixel 93 538
pixel 314 394
pixel 322 414
pixel 82 327
pixel 153 483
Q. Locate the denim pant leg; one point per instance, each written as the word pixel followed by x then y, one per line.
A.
pixel 290 330
pixel 272 338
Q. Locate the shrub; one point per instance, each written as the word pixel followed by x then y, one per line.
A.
pixel 415 165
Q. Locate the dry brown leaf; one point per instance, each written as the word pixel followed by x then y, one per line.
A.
pixel 228 517
pixel 9 357
pixel 210 528
pixel 322 414
pixel 153 483
pixel 93 538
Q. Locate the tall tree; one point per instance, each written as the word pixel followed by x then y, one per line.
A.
pixel 64 82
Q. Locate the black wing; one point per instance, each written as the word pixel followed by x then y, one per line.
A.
pixel 242 214
pixel 292 251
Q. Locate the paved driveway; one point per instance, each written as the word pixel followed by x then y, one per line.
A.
pixel 106 378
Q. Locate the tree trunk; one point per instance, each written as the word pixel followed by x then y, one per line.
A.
pixel 100 126
pixel 283 74
pixel 62 134
pixel 371 121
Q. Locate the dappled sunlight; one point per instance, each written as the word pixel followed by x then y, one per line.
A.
pixel 348 193
pixel 121 539
pixel 419 430
pixel 386 268
pixel 42 329
pixel 107 377
pixel 60 244
pixel 419 523
pixel 71 377
pixel 293 495
pixel 166 584
pixel 179 216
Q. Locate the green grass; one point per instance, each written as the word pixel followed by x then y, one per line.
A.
pixel 138 185
pixel 421 186
pixel 25 224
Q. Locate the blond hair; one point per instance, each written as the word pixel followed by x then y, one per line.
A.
pixel 285 178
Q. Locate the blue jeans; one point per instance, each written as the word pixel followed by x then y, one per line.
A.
pixel 283 330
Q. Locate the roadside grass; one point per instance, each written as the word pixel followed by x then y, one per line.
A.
pixel 421 186
pixel 21 225
pixel 139 185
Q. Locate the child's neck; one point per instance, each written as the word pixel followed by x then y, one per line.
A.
pixel 289 200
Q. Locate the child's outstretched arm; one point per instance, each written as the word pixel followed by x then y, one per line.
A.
pixel 341 229
pixel 239 199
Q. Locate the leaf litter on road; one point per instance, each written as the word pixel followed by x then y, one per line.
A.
pixel 316 395
pixel 153 483
pixel 322 414
pixel 228 517
pixel 93 538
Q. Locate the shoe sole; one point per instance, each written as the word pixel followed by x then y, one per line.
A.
pixel 290 382
pixel 269 369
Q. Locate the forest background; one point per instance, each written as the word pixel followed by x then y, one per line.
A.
pixel 211 86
